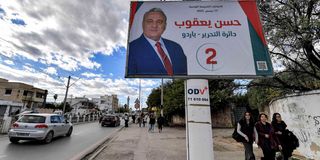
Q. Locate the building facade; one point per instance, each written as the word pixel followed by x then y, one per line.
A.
pixel 30 96
pixel 107 103
pixel 104 103
pixel 115 102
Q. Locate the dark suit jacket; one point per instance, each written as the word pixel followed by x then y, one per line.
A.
pixel 143 59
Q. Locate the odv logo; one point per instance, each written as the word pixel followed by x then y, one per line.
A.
pixel 197 91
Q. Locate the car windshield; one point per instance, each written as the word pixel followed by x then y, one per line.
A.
pixel 32 119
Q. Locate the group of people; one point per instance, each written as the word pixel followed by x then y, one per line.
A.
pixel 143 119
pixel 270 137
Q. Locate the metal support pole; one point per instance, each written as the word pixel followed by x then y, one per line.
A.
pixel 139 94
pixel 65 97
pixel 161 107
pixel 198 120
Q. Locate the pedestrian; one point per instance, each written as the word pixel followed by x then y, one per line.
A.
pixel 126 120
pixel 160 121
pixel 144 120
pixel 139 120
pixel 267 140
pixel 133 118
pixel 152 121
pixel 247 130
pixel 281 132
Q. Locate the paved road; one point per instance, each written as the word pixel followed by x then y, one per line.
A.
pixel 64 148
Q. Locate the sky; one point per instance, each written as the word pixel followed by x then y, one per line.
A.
pixel 42 42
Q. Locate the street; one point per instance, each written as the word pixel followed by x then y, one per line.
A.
pixel 83 137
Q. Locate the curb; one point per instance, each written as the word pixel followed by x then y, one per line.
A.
pixel 85 154
pixel 104 145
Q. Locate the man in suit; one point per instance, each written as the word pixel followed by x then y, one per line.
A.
pixel 150 54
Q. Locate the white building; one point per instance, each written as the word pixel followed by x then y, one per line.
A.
pixel 104 103
pixel 80 105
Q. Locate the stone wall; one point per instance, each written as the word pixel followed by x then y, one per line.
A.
pixel 222 118
pixel 301 113
pixel 178 121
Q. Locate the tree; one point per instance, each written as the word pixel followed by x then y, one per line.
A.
pixel 154 98
pixel 220 92
pixel 292 30
pixel 260 96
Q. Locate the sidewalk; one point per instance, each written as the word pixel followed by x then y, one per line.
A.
pixel 134 143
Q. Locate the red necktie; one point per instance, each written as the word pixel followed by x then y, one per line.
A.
pixel 165 59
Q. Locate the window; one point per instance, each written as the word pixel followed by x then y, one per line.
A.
pixel 55 119
pixel 32 119
pixel 39 95
pixel 61 119
pixel 8 92
pixel 25 93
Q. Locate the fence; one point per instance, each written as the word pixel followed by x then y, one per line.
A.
pixel 81 119
pixel 74 120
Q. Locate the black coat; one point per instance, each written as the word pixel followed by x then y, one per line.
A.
pixel 247 129
pixel 287 139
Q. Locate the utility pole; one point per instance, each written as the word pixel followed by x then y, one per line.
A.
pixel 161 105
pixel 65 97
pixel 140 94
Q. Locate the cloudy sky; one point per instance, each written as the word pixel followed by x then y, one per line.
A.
pixel 42 42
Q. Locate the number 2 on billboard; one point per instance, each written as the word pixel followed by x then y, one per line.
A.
pixel 212 53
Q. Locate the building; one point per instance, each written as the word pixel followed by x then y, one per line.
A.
pixel 115 102
pixel 29 96
pixel 107 103
pixel 104 103
pixel 81 105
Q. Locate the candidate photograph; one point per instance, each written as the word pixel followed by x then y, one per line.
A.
pixel 152 54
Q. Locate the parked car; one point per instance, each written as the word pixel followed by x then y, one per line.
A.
pixel 39 126
pixel 110 120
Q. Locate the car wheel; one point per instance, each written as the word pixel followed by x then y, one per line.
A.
pixel 69 132
pixel 14 140
pixel 102 125
pixel 48 138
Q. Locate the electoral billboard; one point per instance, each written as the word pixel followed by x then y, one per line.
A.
pixel 193 39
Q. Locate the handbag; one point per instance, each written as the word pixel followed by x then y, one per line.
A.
pixel 279 155
pixel 236 136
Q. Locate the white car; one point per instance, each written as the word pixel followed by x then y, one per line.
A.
pixel 39 126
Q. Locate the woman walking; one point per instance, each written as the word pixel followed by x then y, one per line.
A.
pixel 247 130
pixel 152 121
pixel 267 140
pixel 280 129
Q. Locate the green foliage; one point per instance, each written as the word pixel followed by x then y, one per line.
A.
pixel 292 31
pixel 259 96
pixel 174 99
pixel 221 94
pixel 154 98
pixel 58 106
pixel 50 106
pixel 122 110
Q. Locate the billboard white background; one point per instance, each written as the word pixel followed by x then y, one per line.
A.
pixel 234 54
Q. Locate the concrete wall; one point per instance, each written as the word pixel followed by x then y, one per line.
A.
pixel 301 112
pixel 178 121
pixel 223 118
